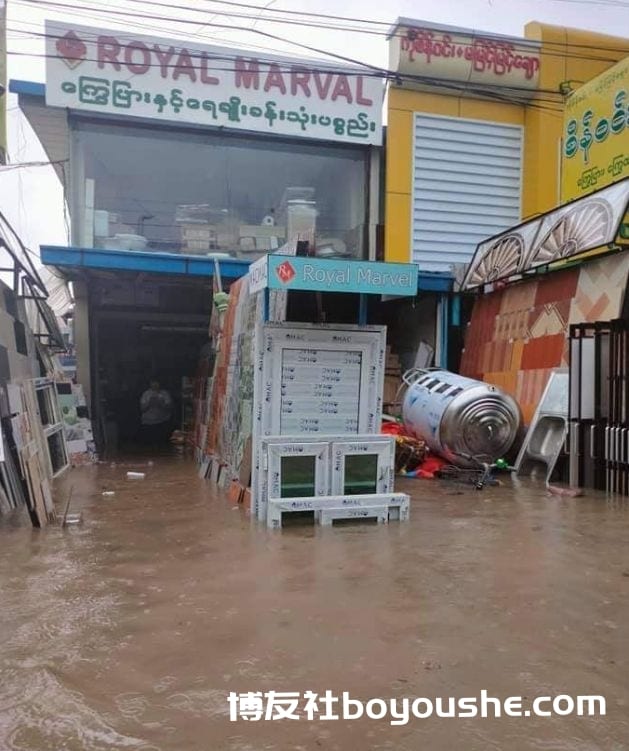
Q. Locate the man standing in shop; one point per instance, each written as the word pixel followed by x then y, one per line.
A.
pixel 156 407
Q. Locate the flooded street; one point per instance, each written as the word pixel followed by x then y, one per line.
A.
pixel 129 631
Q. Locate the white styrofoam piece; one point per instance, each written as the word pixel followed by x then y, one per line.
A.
pixel 277 507
pixel 77 447
pixel 326 516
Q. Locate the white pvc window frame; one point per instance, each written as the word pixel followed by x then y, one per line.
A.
pixel 381 447
pixel 271 339
pixel 279 451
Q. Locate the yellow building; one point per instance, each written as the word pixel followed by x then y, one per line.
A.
pixel 474 135
pixel 595 147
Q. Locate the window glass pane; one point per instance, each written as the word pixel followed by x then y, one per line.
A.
pixel 46 403
pixel 56 449
pixel 193 192
pixel 20 337
pixel 297 476
pixel 361 474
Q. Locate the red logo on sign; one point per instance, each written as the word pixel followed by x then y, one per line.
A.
pixel 285 272
pixel 71 49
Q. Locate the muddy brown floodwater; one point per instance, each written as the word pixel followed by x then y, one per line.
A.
pixel 129 631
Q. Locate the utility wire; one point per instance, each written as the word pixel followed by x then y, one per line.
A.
pixel 125 34
pixel 555 96
pixel 375 71
pixel 31 34
pixel 562 54
pixel 279 59
pixel 22 165
pixel 453 88
pixel 288 21
pixel 151 3
pixel 265 34
pixel 325 16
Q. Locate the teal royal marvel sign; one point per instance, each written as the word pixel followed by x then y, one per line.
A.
pixel 334 275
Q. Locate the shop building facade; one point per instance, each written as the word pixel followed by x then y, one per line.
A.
pixel 554 289
pixel 474 132
pixel 169 152
pixel 160 135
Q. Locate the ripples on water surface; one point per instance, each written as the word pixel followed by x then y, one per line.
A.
pixel 129 631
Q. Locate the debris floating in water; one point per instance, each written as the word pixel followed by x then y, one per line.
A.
pixel 135 475
pixel 570 492
pixel 108 492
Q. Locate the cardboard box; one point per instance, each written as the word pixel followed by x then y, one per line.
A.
pixel 392 361
pixel 198 231
pixel 196 247
pixel 198 238
pixel 235 489
pixel 262 230
pixel 247 243
pixel 390 391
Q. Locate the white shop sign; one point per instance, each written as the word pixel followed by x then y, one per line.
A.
pixel 125 73
pixel 435 52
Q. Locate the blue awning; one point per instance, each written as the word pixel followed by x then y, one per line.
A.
pixel 27 88
pixel 140 261
pixel 72 258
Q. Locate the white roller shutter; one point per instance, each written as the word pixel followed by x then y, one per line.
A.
pixel 466 187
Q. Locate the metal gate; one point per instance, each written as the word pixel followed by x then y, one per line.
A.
pixel 599 406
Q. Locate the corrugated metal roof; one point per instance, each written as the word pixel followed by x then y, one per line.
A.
pixel 466 186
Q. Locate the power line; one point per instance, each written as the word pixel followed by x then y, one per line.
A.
pixel 563 54
pixel 372 72
pixel 123 34
pixel 266 34
pixel 391 75
pixel 23 165
pixel 388 24
pixel 151 3
pixel 131 36
pixel 249 17
pixel 452 87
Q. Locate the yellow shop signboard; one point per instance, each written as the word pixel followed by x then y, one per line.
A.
pixel 595 147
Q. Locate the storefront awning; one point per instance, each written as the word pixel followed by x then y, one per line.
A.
pixel 596 222
pixel 71 260
pixel 67 259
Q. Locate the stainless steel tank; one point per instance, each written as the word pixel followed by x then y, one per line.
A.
pixel 459 417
